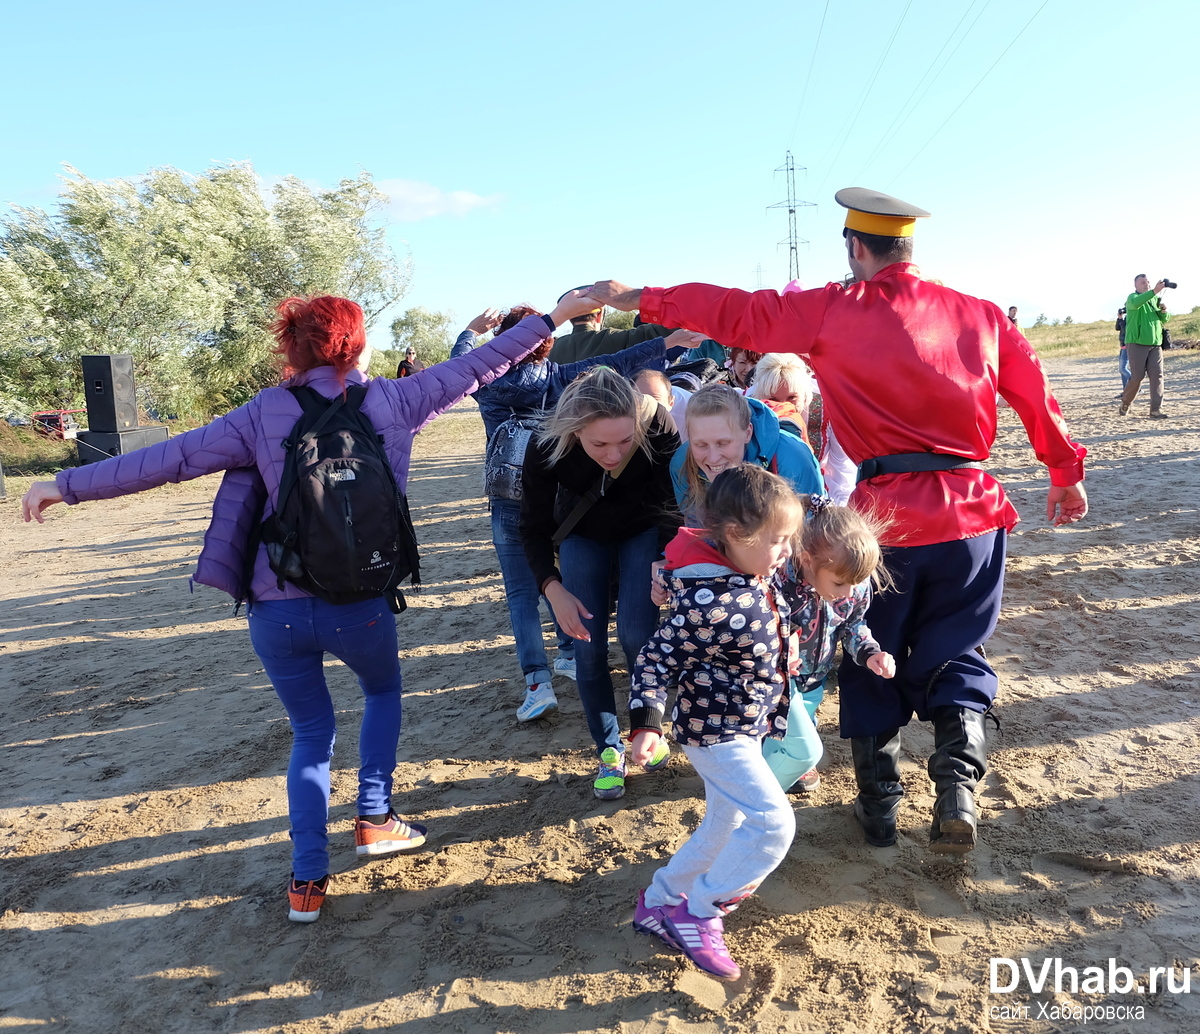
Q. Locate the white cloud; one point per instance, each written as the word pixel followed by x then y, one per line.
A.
pixel 412 200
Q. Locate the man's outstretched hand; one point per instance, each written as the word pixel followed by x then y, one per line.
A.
pixel 1066 505
pixel 618 295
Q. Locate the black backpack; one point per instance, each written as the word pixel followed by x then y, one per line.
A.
pixel 694 375
pixel 341 528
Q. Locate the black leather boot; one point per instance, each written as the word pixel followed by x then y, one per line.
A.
pixel 958 762
pixel 877 769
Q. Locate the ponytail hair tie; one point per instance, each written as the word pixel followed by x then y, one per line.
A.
pixel 818 504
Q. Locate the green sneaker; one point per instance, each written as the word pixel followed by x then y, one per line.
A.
pixel 610 782
pixel 662 754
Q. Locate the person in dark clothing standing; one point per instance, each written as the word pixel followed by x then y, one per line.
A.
pixel 410 364
pixel 1123 360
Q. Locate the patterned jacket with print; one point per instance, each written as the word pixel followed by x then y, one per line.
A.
pixel 820 625
pixel 725 642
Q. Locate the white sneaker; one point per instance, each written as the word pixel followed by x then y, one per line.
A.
pixel 565 666
pixel 539 701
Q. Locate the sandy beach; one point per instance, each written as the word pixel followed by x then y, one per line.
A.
pixel 143 831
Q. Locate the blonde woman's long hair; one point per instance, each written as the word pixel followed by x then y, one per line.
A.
pixel 711 400
pixel 777 370
pixel 596 394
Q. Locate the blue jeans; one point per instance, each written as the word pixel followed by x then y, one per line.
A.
pixel 291 638
pixel 1123 366
pixel 586 566
pixel 521 593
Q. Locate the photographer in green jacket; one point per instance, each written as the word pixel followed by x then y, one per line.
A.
pixel 1145 314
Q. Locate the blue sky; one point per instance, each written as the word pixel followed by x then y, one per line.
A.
pixel 531 147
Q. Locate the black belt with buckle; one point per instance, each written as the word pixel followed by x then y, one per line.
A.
pixel 910 462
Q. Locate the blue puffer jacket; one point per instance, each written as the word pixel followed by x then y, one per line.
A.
pixel 528 389
pixel 779 451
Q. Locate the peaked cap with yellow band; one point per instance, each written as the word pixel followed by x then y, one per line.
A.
pixel 880 214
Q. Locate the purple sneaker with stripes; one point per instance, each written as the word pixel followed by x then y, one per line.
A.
pixel 649 920
pixel 702 941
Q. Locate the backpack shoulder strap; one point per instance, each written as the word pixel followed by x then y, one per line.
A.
pixel 356 394
pixel 311 402
pixel 588 500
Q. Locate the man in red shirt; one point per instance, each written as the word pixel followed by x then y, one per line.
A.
pixel 909 371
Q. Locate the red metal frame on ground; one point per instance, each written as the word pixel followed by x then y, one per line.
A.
pixel 52 422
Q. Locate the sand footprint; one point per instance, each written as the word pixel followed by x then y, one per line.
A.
pixel 999 803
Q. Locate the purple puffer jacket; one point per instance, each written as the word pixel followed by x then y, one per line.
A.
pixel 248 443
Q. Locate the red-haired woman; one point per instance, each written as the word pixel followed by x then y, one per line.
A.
pixel 323 344
pixel 741 365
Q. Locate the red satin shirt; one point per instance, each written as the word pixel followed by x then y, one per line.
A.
pixel 904 365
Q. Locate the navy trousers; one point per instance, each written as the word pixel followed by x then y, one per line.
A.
pixel 945 603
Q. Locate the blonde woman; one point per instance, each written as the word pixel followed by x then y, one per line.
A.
pixel 784 383
pixel 597 485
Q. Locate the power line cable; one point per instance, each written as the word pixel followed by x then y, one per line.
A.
pixel 811 61
pixel 853 109
pixel 865 94
pixel 901 116
pixel 968 96
pixel 856 108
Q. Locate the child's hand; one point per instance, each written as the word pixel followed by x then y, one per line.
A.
pixel 658 588
pixel 883 664
pixel 642 744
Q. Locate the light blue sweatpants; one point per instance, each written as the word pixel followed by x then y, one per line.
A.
pixel 747 829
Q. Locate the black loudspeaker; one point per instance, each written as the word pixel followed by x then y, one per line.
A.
pixel 94 446
pixel 108 392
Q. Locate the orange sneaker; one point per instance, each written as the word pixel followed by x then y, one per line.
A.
pixel 388 837
pixel 306 898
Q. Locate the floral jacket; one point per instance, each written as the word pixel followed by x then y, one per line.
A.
pixel 819 626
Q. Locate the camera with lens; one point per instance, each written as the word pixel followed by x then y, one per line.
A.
pixel 1169 283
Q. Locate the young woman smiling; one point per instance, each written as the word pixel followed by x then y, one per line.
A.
pixel 597 484
pixel 725 429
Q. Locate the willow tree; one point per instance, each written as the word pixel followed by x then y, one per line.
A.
pixel 181 271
